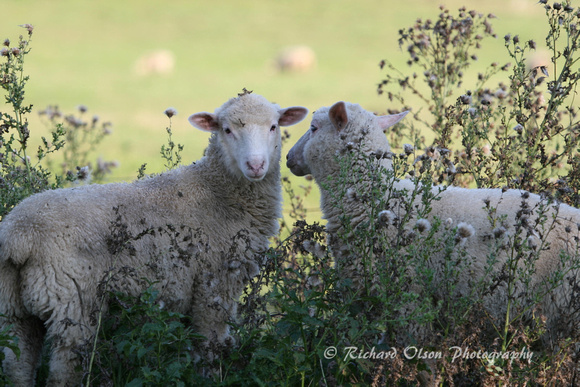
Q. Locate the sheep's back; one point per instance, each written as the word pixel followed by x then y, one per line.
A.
pixel 57 220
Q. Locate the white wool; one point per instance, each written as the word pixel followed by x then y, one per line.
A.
pixel 344 125
pixel 57 246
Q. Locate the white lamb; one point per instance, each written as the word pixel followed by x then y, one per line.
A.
pixel 56 246
pixel 336 129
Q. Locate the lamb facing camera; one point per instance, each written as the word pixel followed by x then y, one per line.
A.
pixel 57 246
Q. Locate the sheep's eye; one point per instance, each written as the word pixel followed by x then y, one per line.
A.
pixel 313 128
pixel 273 128
pixel 227 130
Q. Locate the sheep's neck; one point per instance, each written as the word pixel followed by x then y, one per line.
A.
pixel 344 197
pixel 261 199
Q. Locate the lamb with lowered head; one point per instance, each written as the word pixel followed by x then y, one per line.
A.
pixel 337 130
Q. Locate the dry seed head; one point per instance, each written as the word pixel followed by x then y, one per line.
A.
pixel 501 94
pixel 351 194
pixel 107 127
pixel 499 232
pixel 29 28
pixel 465 230
pixel 170 112
pixel 465 99
pixel 486 150
pixel 314 248
pixel 83 173
pixel 319 250
pixel 532 243
pixel 408 149
pixel 450 167
pixel 423 225
pixel 387 217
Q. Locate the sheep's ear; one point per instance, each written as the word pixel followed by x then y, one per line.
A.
pixel 204 121
pixel 386 122
pixel 338 116
pixel 292 115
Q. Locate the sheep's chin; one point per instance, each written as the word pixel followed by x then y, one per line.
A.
pixel 254 178
pixel 299 170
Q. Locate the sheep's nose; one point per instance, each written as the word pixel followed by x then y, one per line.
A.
pixel 256 166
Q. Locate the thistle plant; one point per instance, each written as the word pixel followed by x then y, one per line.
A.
pixel 21 173
pixel 82 135
pixel 521 133
pixel 172 152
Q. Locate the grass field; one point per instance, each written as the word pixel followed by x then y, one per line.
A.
pixel 84 52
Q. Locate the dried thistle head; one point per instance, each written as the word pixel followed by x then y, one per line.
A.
pixel 387 217
pixel 170 112
pixel 423 225
pixel 464 231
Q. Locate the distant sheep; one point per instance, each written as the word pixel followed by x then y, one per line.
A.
pixel 334 130
pixel 296 59
pixel 57 246
pixel 155 62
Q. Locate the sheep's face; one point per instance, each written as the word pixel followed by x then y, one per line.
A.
pixel 331 131
pixel 248 131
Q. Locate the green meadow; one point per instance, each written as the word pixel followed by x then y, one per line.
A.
pixel 84 53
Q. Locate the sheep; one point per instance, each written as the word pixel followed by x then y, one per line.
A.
pixel 57 246
pixel 296 59
pixel 343 126
pixel 160 62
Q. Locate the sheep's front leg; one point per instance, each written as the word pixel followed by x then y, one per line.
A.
pixel 67 337
pixel 213 307
pixel 216 298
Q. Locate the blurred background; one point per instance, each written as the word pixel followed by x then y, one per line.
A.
pixel 127 61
